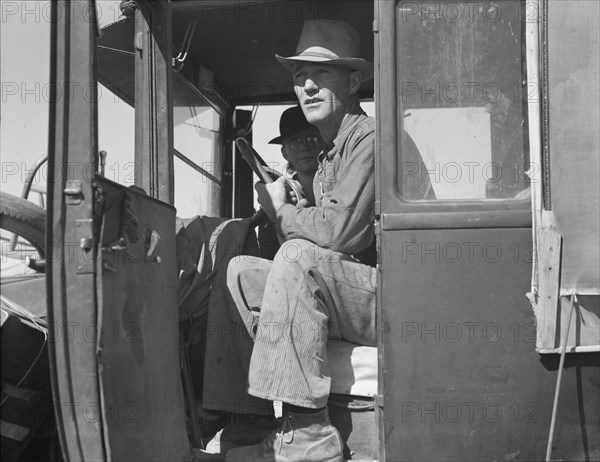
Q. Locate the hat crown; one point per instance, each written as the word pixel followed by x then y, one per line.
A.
pixel 329 37
pixel 329 41
pixel 292 121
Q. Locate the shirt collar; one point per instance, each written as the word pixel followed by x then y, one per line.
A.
pixel 350 120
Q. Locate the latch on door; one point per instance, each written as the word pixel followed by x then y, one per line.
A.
pixel 85 255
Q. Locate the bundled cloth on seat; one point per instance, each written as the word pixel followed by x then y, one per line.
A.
pixel 203 244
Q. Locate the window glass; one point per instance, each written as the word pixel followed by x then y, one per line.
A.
pixel 116 137
pixel 462 100
pixel 115 97
pixel 195 193
pixel 25 93
pixel 197 138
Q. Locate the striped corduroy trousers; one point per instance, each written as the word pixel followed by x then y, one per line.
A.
pixel 268 324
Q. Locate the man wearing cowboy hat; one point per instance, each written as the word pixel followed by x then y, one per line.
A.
pixel 320 284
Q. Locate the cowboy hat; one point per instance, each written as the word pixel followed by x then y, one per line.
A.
pixel 330 42
pixel 292 121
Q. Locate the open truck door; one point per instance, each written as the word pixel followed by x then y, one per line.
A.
pixel 112 279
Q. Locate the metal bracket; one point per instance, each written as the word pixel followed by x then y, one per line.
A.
pixel 73 192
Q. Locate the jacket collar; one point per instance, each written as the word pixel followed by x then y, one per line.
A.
pixel 351 118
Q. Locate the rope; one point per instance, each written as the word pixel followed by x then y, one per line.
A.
pixel 558 381
pixel 185 46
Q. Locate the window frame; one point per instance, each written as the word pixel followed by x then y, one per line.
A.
pixel 220 108
pixel 395 211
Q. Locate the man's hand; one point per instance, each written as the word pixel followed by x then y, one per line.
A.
pixel 293 199
pixel 271 197
pixel 302 203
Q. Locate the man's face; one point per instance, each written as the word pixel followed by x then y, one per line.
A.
pixel 302 148
pixel 324 91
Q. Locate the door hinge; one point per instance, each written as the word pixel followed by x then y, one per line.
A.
pixel 73 192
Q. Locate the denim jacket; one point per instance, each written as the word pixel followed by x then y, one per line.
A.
pixel 344 185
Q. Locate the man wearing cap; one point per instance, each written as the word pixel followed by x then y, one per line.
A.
pixel 274 318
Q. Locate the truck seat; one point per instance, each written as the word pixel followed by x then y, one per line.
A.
pixel 353 368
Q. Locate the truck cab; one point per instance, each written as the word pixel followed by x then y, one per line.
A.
pixel 487 301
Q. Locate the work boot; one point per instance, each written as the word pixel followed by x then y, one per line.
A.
pixel 242 430
pixel 302 438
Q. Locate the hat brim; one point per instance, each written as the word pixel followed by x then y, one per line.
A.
pixel 365 67
pixel 276 140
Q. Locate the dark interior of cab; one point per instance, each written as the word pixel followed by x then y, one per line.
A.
pixel 236 42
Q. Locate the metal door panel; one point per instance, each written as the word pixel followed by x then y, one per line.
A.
pixel 138 363
pixel 458 330
pixel 461 378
